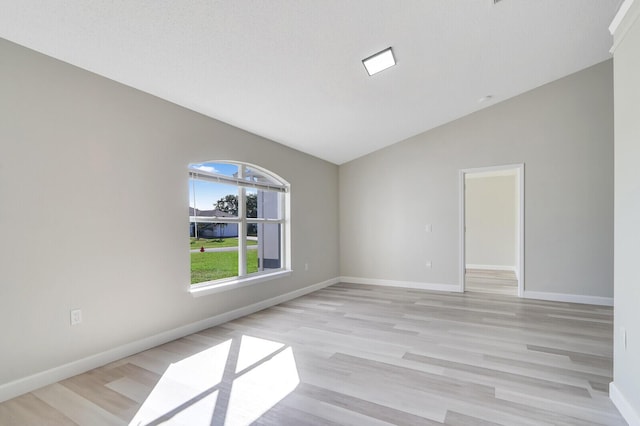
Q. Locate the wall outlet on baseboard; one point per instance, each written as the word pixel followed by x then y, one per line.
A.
pixel 306 266
pixel 428 264
pixel 76 316
pixel 428 227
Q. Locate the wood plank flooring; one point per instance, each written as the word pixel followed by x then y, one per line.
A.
pixel 355 354
pixel 491 281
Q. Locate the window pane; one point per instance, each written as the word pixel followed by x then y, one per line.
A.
pixel 209 199
pixel 211 233
pixel 217 168
pixel 209 266
pixel 252 252
pixel 252 202
pixel 263 204
pixel 214 255
pixel 269 246
pixel 254 175
pixel 227 204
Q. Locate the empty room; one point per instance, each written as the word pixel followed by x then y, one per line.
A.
pixel 320 213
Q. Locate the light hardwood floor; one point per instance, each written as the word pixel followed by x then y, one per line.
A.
pixel 491 281
pixel 357 355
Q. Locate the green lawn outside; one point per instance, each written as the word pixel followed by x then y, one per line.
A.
pixel 217 265
pixel 213 243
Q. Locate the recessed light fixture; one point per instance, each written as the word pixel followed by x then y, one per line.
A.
pixel 380 61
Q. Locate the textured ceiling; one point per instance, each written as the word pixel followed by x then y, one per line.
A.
pixel 291 70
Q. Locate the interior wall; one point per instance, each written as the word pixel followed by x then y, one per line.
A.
pixel 626 365
pixel 562 132
pixel 490 222
pixel 94 213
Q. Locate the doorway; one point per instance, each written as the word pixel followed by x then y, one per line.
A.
pixel 492 229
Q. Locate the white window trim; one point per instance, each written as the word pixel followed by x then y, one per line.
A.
pixel 243 279
pixel 231 219
pixel 218 286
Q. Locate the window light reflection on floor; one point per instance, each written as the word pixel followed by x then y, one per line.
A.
pixel 232 383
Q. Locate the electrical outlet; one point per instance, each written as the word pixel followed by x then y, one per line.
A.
pixel 306 266
pixel 428 264
pixel 76 316
pixel 428 227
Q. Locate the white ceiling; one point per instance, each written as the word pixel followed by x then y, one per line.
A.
pixel 291 70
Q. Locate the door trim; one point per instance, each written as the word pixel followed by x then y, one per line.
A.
pixel 519 169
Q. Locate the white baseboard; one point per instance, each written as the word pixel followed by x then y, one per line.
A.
pixel 56 374
pixel 622 404
pixel 403 284
pixel 571 298
pixel 492 267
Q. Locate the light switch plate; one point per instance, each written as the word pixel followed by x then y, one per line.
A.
pixel 76 316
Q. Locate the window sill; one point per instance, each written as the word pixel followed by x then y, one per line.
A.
pixel 213 287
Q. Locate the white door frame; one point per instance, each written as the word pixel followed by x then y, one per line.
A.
pixel 519 168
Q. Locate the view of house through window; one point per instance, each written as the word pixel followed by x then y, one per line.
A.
pixel 236 221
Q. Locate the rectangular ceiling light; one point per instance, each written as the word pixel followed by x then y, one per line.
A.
pixel 379 62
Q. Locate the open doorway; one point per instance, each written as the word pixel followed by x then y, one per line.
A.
pixel 492 230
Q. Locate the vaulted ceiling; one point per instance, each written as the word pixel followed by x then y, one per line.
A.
pixel 291 70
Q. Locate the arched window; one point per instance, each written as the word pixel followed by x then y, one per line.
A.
pixel 238 224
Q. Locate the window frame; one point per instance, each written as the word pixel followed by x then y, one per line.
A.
pixel 282 188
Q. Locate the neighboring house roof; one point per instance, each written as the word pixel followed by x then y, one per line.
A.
pixel 209 213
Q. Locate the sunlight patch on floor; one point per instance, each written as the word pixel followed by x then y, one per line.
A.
pixel 232 383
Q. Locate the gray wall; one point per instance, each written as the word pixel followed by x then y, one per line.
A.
pixel 626 363
pixel 84 162
pixel 83 159
pixel 490 221
pixel 562 131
